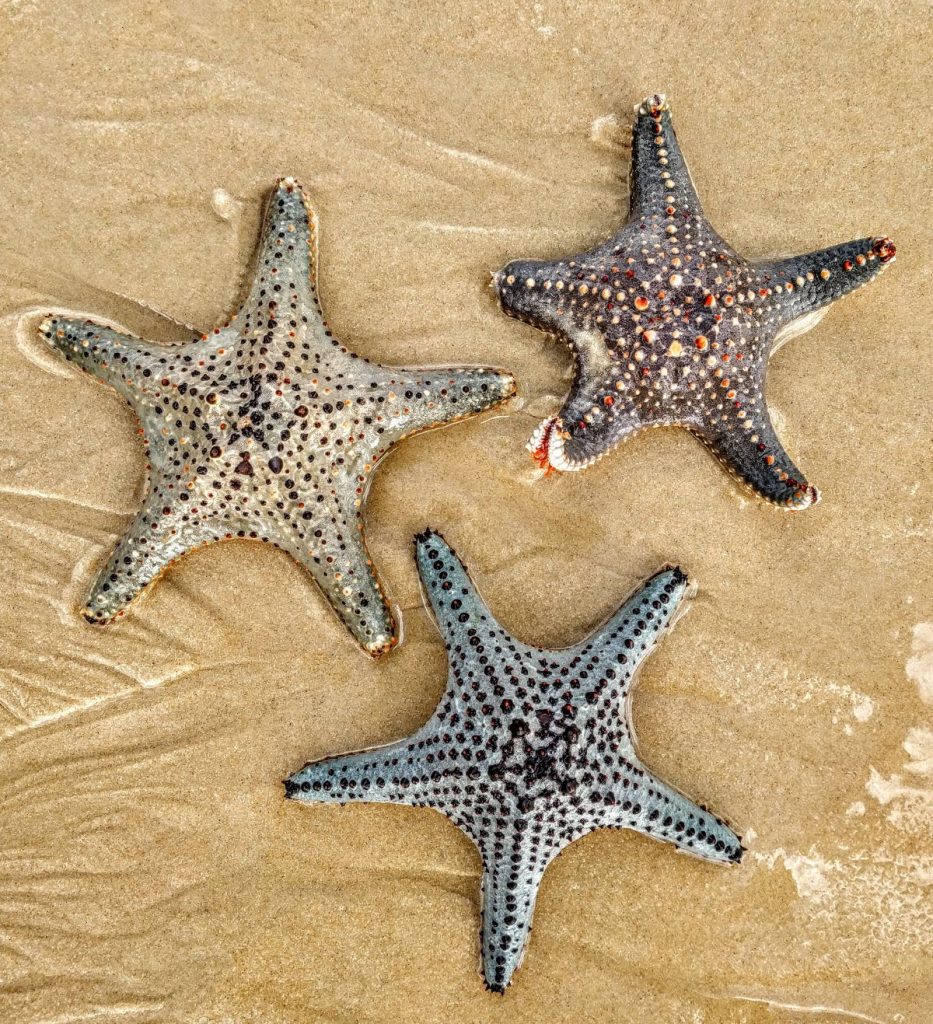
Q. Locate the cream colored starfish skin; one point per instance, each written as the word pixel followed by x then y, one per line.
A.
pixel 528 749
pixel 267 428
pixel 670 326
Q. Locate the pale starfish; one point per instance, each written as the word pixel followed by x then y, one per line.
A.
pixel 670 326
pixel 528 749
pixel 267 428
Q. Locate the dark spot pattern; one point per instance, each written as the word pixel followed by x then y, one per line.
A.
pixel 528 749
pixel 670 326
pixel 267 428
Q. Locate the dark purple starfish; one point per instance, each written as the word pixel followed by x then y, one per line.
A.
pixel 670 326
pixel 528 749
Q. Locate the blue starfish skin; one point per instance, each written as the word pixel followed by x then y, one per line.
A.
pixel 527 750
pixel 669 326
pixel 267 428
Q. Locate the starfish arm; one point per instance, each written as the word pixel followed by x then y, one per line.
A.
pixel 593 420
pixel 653 808
pixel 756 456
pixel 286 262
pixel 454 599
pixel 120 360
pixel 659 170
pixel 418 399
pixel 800 285
pixel 511 877
pixel 633 632
pixel 395 773
pixel 157 537
pixel 330 543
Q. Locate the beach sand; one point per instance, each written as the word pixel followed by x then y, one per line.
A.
pixel 150 869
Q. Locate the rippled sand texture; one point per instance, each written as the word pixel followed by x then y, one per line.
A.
pixel 151 869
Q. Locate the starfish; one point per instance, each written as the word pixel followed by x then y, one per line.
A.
pixel 267 428
pixel 527 750
pixel 668 325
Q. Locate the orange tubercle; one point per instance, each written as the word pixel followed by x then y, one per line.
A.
pixel 884 249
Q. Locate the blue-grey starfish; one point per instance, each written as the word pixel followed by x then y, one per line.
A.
pixel 670 326
pixel 267 428
pixel 528 749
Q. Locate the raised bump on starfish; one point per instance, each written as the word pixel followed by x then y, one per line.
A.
pixel 267 428
pixel 669 326
pixel 527 750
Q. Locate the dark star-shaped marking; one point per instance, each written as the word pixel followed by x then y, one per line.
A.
pixel 267 428
pixel 528 749
pixel 670 326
